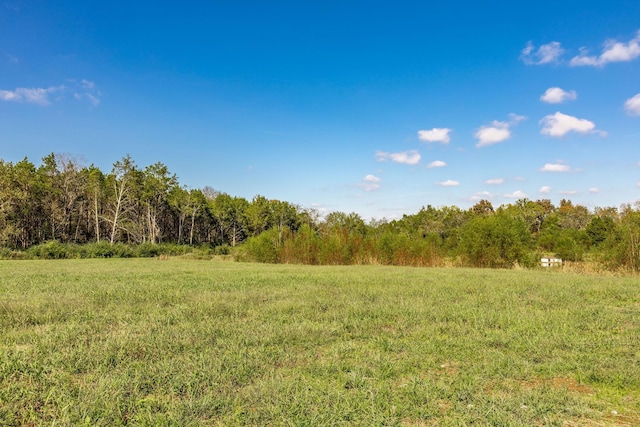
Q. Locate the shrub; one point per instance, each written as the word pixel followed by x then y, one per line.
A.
pixel 147 250
pixel 495 241
pixel 49 250
pixel 222 250
pixel 6 253
pixel 106 250
pixel 261 248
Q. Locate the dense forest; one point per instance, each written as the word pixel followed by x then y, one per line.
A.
pixel 62 203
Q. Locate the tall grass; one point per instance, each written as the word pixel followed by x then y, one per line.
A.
pixel 178 342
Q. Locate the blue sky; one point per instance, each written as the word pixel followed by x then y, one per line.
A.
pixel 377 108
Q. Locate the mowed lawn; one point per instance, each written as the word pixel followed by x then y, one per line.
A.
pixel 186 342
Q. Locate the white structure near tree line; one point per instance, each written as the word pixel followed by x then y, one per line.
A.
pixel 550 262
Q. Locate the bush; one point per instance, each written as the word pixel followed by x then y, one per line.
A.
pixel 50 250
pixel 106 250
pixel 222 250
pixel 261 248
pixel 497 241
pixel 6 253
pixel 622 250
pixel 568 249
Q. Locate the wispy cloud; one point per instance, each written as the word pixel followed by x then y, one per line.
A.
pixel 568 192
pixel 411 157
pixel 555 167
pixel 594 190
pixel 86 89
pixel 440 135
pixel 545 54
pixel 495 181
pixel 558 125
pixel 39 96
pixel 518 194
pixel 88 96
pixel 370 183
pixel 545 189
pixel 448 183
pixel 437 164
pixel 632 105
pixel 87 84
pixel 613 51
pixel 497 131
pixel 556 95
pixel 43 96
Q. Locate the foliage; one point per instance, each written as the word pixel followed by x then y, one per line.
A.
pixel 495 241
pixel 261 248
pixel 624 246
pixel 570 244
pixel 57 250
pixel 599 229
pixel 51 250
pixel 62 209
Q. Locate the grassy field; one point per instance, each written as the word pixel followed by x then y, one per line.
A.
pixel 179 342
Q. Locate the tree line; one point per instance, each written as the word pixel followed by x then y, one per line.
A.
pixel 64 201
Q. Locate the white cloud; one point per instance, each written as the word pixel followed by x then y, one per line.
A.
pixel 496 132
pixel 518 194
pixel 495 181
pixel 7 95
pixel 556 95
pixel 614 51
pixel 555 167
pixel 545 54
pixel 449 183
pixel 638 184
pixel 594 190
pixel 515 118
pixel 411 157
pixel 558 125
pixel 568 192
pixel 320 208
pixel 632 105
pixel 545 189
pixel 40 96
pixel 489 135
pixel 435 135
pixel 436 164
pixel 87 84
pixel 482 195
pixel 37 96
pixel 370 183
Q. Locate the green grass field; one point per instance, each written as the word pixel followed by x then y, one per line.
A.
pixel 183 342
